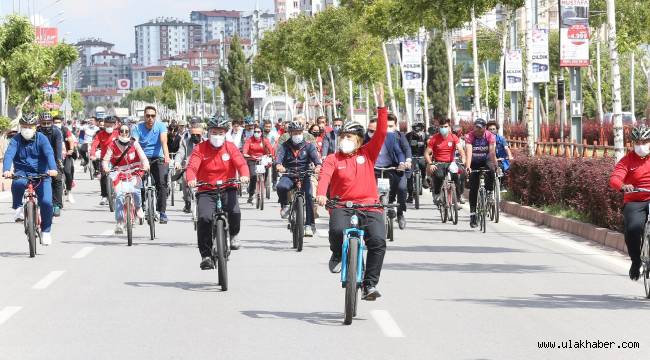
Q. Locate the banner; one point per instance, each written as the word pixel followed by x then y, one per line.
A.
pixel 412 64
pixel 540 72
pixel 574 33
pixel 514 71
pixel 47 36
pixel 258 91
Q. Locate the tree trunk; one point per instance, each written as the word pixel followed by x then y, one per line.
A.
pixel 599 91
pixel 320 92
pixel 477 70
pixel 286 99
pixel 425 80
pixel 451 112
pixel 632 73
pixel 389 79
pixel 336 112
pixel 619 146
pixel 529 84
pixel 501 113
pixel 351 98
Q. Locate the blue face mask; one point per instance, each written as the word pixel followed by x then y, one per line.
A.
pixel 444 131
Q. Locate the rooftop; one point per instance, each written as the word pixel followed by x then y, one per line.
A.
pixel 108 53
pixel 94 42
pixel 164 21
pixel 218 13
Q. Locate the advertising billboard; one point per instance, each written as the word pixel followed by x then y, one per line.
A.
pixel 574 33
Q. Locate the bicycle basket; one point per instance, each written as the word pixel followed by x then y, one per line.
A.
pixel 453 167
pixel 260 169
pixel 383 185
pixel 266 161
pixel 128 186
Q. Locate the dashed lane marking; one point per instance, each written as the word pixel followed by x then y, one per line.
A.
pixel 83 252
pixel 387 324
pixel 45 282
pixel 8 312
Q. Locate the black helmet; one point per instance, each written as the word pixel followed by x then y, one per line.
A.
pixel 480 122
pixel 45 116
pixel 295 126
pixel 110 119
pixel 352 127
pixel 418 124
pixel 28 119
pixel 218 122
pixel 641 133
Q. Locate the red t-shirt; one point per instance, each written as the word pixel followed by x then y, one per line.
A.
pixel 103 140
pixel 257 148
pixel 632 170
pixel 444 149
pixel 209 164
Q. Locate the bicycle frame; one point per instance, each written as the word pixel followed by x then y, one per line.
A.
pixel 353 233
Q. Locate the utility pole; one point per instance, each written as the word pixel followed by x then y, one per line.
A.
pixel 477 90
pixel 201 83
pixel 529 84
pixel 514 95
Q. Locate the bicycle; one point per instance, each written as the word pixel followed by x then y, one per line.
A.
pixel 170 179
pixel 297 207
pixel 150 201
pixel 448 201
pixel 495 204
pixel 482 206
pixel 110 193
pixel 645 251
pixel 32 215
pixel 261 190
pixel 383 187
pixel 194 207
pixel 417 181
pixel 220 240
pixel 124 191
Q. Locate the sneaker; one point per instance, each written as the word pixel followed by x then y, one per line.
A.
pixel 635 271
pixel 409 199
pixel 462 199
pixel 188 207
pixel 370 293
pixel 119 229
pixel 335 263
pixel 103 202
pixel 313 229
pixel 139 213
pixel 250 200
pixel 284 212
pixel 436 199
pixel 71 198
pixel 56 211
pixel 234 243
pixel 401 221
pixel 46 238
pixel 308 231
pixel 207 263
pixel 19 215
pixel 472 221
pixel 163 218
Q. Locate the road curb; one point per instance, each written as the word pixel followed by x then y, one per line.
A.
pixel 590 232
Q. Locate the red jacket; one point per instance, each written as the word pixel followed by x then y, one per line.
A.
pixel 632 170
pixel 256 148
pixel 103 140
pixel 352 177
pixel 209 164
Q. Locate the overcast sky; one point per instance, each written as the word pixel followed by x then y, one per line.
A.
pixel 114 20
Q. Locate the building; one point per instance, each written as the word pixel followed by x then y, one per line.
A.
pixel 265 22
pixel 313 7
pixel 164 37
pixel 106 68
pixel 88 47
pixel 213 22
pixel 192 58
pixel 144 76
pixel 102 96
pixel 214 46
pixel 286 9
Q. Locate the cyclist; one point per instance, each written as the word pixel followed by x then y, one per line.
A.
pixel 249 126
pixel 182 156
pixel 296 155
pixel 272 135
pixel 330 138
pixel 30 154
pixel 175 134
pixel 236 134
pixel 462 174
pixel 54 135
pixel 349 175
pixel 480 149
pixel 503 151
pixel 69 142
pixel 631 172
pixel 103 139
pixel 212 161
pixel 322 123
pixel 88 130
pixel 300 120
pixel 254 148
pixel 317 132
pixel 152 136
pixel 440 153
pixel 417 139
pixel 125 154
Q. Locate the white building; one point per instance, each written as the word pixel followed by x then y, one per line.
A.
pixel 313 7
pixel 286 9
pixel 164 37
pixel 88 47
pixel 213 22
pixel 266 22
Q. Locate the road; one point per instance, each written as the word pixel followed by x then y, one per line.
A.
pixel 449 293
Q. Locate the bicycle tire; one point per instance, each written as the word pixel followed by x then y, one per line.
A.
pixel 91 170
pixel 416 192
pixel 128 219
pixel 454 204
pixel 482 209
pixel 390 233
pixel 645 260
pixel 262 193
pixel 171 189
pixel 110 193
pixel 351 286
pixel 497 199
pixel 219 238
pixel 299 222
pixel 151 210
pixel 30 227
pixel 267 183
pixel 440 206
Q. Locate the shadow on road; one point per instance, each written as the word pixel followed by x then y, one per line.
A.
pixel 137 241
pixel 469 268
pixel 456 249
pixel 316 318
pixel 14 254
pixel 568 301
pixel 189 286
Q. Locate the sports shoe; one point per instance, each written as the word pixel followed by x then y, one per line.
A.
pixel 462 199
pixel 119 229
pixel 139 213
pixel 409 199
pixel 163 218
pixel 284 212
pixel 19 215
pixel 46 238
pixel 234 243
pixel 71 198
pixel 335 263
pixel 370 293
pixel 250 200
pixel 308 231
pixel 104 201
pixel 56 211
pixel 635 271
pixel 207 263
pixel 188 207
pixel 472 221
pixel 401 221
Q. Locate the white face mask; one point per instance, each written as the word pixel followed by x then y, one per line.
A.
pixel 297 139
pixel 58 125
pixel 257 135
pixel 217 140
pixel 347 146
pixel 124 139
pixel 642 150
pixel 109 130
pixel 27 133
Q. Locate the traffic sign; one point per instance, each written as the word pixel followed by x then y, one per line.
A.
pixel 123 84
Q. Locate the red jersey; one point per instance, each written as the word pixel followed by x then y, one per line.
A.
pixel 319 143
pixel 632 170
pixel 103 140
pixel 444 149
pixel 256 148
pixel 209 164
pixel 351 177
pixel 134 159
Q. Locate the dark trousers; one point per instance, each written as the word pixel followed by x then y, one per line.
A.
pixel 417 164
pixel 634 218
pixel 397 188
pixel 375 238
pixel 439 177
pixel 206 203
pixel 474 182
pixel 253 178
pixel 68 169
pixel 103 182
pixel 57 190
pixel 159 171
pixel 83 151
pixel 285 185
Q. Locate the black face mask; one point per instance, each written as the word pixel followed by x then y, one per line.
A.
pixel 195 138
pixel 315 133
pixel 47 130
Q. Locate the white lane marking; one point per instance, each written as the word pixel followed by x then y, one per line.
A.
pixel 107 232
pixel 322 232
pixel 387 323
pixel 8 312
pixel 48 280
pixel 83 252
pixel 591 249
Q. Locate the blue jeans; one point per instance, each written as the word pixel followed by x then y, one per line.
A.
pixel 119 205
pixel 285 184
pixel 44 195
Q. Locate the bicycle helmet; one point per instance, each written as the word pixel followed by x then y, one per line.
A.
pixel 248 120
pixel 641 133
pixel 110 119
pixel 480 123
pixel 418 125
pixel 295 126
pixel 45 116
pixel 218 122
pixel 28 119
pixel 352 127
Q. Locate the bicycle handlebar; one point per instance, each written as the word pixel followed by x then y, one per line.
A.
pixel 220 184
pixel 30 178
pixel 334 203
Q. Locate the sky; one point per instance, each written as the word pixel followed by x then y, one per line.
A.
pixel 114 20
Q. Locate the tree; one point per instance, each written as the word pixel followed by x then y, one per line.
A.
pixel 176 83
pixel 235 82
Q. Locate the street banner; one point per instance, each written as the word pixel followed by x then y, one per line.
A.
pixel 574 33
pixel 514 71
pixel 47 36
pixel 412 64
pixel 540 72
pixel 258 91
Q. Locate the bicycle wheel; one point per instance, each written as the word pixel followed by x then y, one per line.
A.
pixel 262 191
pixel 351 286
pixel 151 211
pixel 453 204
pixel 482 209
pixel 416 192
pixel 645 260
pixel 110 192
pixel 299 222
pixel 30 227
pixel 91 170
pixel 128 218
pixel 497 199
pixel 171 189
pixel 440 207
pixel 389 229
pixel 267 183
pixel 219 238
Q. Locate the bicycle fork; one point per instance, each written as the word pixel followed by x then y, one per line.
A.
pixel 348 235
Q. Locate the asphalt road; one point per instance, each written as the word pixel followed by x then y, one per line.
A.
pixel 449 293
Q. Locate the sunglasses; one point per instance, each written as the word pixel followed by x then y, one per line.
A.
pixel 149 116
pixel 124 131
pixel 257 132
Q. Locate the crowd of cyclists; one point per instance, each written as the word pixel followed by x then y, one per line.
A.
pixel 333 161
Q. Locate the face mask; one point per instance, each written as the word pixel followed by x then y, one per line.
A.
pixel 217 140
pixel 47 130
pixel 642 150
pixel 58 125
pixel 124 139
pixel 315 133
pixel 108 130
pixel 27 133
pixel 444 131
pixel 347 146
pixel 337 128
pixel 257 135
pixel 370 133
pixel 196 138
pixel 297 139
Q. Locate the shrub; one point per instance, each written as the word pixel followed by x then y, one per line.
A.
pixel 5 123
